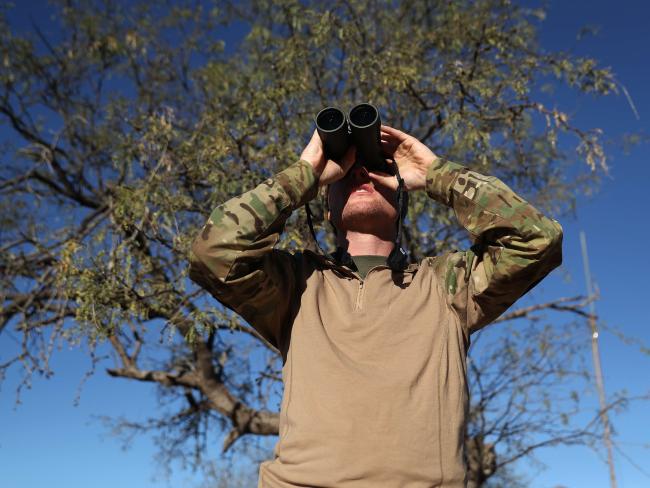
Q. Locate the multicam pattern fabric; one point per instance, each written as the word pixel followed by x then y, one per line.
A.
pixel 233 256
pixel 515 245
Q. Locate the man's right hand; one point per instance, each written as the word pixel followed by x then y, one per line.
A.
pixel 328 171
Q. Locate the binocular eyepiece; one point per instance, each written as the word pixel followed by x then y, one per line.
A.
pixel 360 128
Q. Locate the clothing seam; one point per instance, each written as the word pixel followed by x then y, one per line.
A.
pixel 440 455
pixel 445 295
pixel 443 343
pixel 285 414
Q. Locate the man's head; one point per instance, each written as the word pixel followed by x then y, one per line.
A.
pixel 363 201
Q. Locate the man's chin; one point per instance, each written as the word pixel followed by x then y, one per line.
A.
pixel 367 222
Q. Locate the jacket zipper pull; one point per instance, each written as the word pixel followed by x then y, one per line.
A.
pixel 358 305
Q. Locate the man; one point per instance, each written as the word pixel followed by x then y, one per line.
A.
pixel 373 358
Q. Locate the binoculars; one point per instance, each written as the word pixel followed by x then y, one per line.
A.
pixel 360 128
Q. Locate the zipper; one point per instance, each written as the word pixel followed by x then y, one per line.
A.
pixel 359 304
pixel 359 296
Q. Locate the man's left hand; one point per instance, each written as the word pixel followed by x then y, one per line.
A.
pixel 412 157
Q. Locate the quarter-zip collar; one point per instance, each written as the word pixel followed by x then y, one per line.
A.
pixel 342 262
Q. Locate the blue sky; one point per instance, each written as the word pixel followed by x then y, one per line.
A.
pixel 47 441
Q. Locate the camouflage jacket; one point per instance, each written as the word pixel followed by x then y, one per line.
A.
pixel 375 369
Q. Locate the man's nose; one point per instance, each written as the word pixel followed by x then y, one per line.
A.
pixel 359 172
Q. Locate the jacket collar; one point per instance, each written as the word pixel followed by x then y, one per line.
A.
pixel 343 262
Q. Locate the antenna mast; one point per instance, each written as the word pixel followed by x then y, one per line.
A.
pixel 595 352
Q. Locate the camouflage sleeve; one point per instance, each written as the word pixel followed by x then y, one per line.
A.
pixel 233 256
pixel 515 246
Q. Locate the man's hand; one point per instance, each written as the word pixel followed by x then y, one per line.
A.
pixel 412 157
pixel 328 171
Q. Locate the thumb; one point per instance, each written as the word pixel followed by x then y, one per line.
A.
pixel 348 159
pixel 315 139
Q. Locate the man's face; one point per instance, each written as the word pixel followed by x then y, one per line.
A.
pixel 364 201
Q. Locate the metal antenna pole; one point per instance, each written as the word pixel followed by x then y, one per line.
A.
pixel 595 352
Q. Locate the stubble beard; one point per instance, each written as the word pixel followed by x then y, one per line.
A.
pixel 368 216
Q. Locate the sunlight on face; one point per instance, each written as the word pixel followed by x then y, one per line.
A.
pixel 363 201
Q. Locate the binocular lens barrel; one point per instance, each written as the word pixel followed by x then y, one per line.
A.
pixel 364 122
pixel 333 131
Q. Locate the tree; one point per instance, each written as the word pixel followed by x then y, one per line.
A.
pixel 125 126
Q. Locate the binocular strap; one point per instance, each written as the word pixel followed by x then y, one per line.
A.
pixel 311 229
pixel 397 257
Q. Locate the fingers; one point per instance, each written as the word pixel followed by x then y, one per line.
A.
pixel 391 139
pixel 388 148
pixel 315 143
pixel 347 161
pixel 384 180
pixel 349 157
pixel 393 133
pixel 315 139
